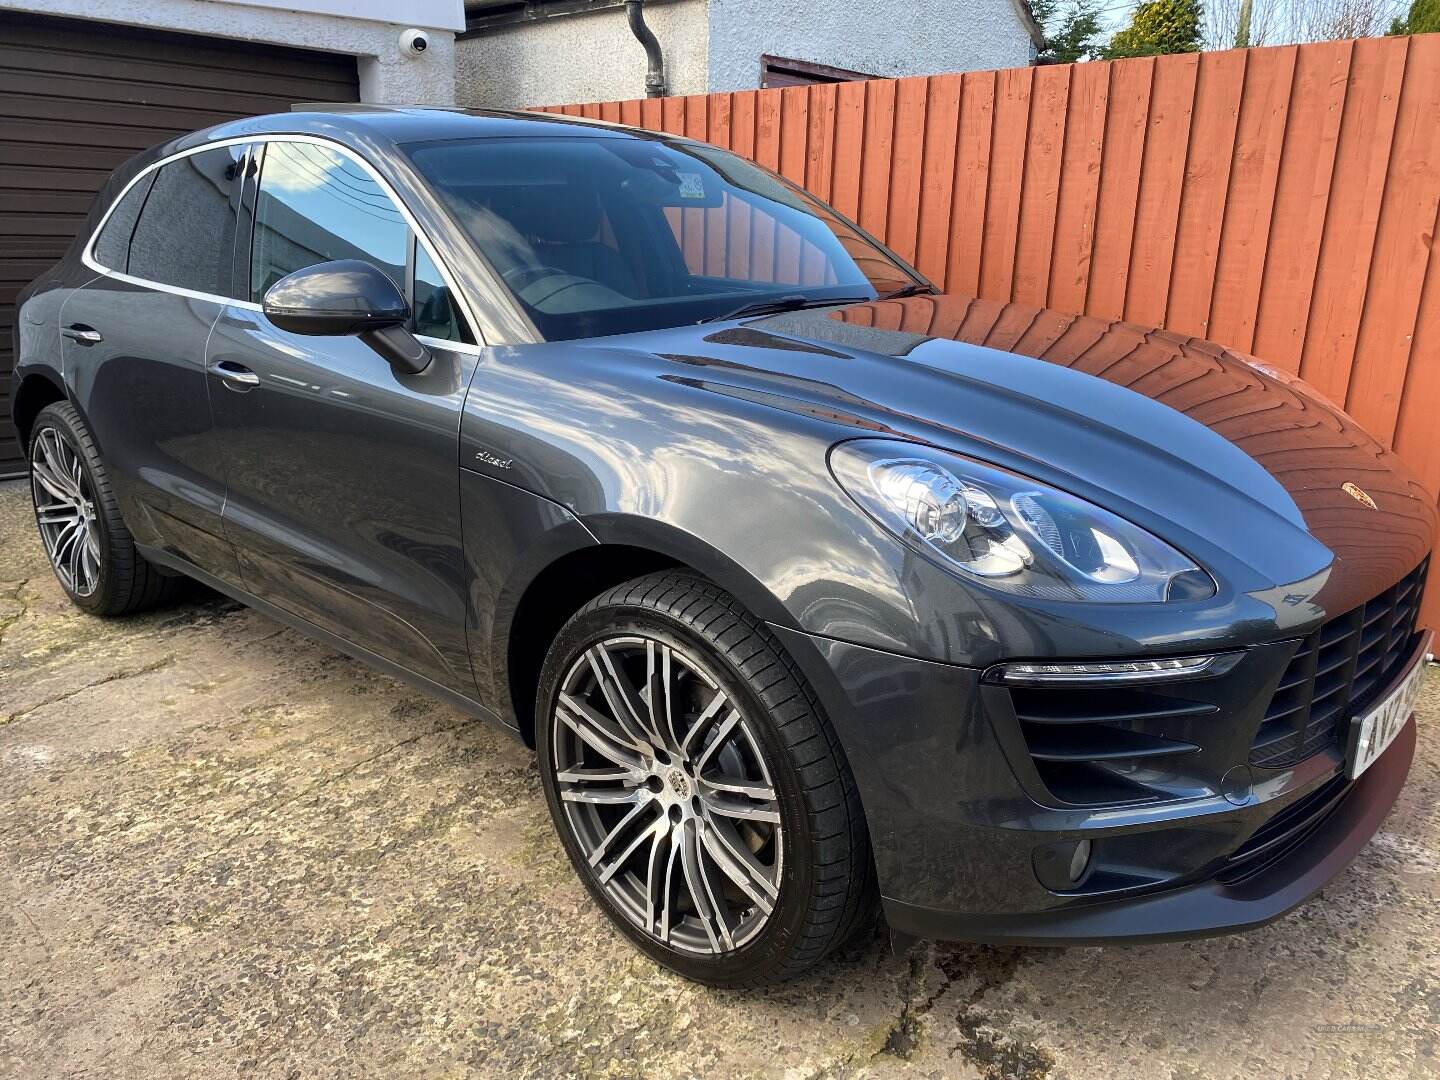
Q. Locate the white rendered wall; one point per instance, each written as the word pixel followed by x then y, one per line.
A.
pixel 918 37
pixel 570 59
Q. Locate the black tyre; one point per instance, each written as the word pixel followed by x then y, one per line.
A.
pixel 697 784
pixel 89 547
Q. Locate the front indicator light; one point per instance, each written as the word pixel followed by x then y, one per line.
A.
pixel 1117 671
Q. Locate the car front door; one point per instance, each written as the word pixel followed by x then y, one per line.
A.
pixel 134 350
pixel 343 472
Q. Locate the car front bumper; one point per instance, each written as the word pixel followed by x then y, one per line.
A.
pixel 956 826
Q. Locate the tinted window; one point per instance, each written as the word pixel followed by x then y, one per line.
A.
pixel 112 246
pixel 435 312
pixel 186 232
pixel 316 205
pixel 610 235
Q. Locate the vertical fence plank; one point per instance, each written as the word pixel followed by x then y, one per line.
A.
pixel 794 136
pixel 1302 192
pixel 1125 129
pixel 742 123
pixel 1040 193
pixel 672 115
pixel 694 125
pixel 1007 172
pixel 1403 249
pixel 717 120
pixel 937 176
pixel 1362 162
pixel 717 219
pixel 794 132
pixel 1079 193
pixel 876 159
pixel 1245 229
pixel 767 153
pixel 742 141
pixel 1162 179
pixel 849 142
pixel 1207 181
pixel 972 182
pixel 903 215
pixel 697 110
pixel 767 128
pixel 820 140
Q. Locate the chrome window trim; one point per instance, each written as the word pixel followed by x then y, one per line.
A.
pixel 87 255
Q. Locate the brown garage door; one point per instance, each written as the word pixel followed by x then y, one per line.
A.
pixel 81 97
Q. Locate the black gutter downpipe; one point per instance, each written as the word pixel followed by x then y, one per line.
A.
pixel 654 62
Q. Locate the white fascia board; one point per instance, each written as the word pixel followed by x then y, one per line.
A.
pixel 423 14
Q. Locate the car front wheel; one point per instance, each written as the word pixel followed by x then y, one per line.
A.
pixel 697 785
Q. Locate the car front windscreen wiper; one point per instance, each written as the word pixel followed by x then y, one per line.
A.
pixel 774 304
pixel 913 289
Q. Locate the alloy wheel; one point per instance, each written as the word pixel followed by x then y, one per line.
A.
pixel 666 789
pixel 66 513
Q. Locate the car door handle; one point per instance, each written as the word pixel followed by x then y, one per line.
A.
pixel 235 376
pixel 82 334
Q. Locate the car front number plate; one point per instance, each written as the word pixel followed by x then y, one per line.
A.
pixel 1372 733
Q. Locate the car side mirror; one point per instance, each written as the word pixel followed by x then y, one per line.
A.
pixel 348 297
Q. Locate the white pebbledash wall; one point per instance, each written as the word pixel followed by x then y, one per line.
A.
pixel 590 56
pixel 716 45
pixel 366 29
pixel 887 39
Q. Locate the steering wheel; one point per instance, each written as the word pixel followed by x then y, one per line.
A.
pixel 518 277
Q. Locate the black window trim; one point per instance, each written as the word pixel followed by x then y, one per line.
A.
pixel 87 254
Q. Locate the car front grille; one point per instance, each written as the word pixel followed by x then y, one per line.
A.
pixel 1337 672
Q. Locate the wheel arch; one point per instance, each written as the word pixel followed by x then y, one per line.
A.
pixel 627 547
pixel 37 389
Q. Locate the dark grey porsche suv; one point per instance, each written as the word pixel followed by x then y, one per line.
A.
pixel 812 588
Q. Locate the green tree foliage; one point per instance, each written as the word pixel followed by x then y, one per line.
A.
pixel 1158 27
pixel 1422 18
pixel 1071 28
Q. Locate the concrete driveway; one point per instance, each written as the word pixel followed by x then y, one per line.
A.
pixel 225 851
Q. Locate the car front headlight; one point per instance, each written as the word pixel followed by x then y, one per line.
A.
pixel 1011 532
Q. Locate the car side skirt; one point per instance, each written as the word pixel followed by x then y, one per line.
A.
pixel 315 633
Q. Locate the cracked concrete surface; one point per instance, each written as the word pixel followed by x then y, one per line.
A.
pixel 226 851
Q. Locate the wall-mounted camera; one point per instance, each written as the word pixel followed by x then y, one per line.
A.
pixel 414 42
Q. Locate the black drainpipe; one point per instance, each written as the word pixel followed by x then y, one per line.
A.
pixel 654 62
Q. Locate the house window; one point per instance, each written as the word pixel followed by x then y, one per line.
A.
pixel 782 71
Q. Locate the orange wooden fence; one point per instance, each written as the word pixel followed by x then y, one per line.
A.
pixel 1282 201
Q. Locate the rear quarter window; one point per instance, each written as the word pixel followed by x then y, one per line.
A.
pixel 112 246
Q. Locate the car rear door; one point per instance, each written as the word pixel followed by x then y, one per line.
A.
pixel 134 350
pixel 343 473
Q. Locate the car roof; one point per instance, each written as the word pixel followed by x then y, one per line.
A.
pixel 398 124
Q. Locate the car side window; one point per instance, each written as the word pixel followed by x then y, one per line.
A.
pixel 186 233
pixel 316 205
pixel 112 246
pixel 436 315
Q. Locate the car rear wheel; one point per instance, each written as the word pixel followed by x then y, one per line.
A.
pixel 697 785
pixel 87 543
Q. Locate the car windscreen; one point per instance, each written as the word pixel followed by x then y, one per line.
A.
pixel 611 235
